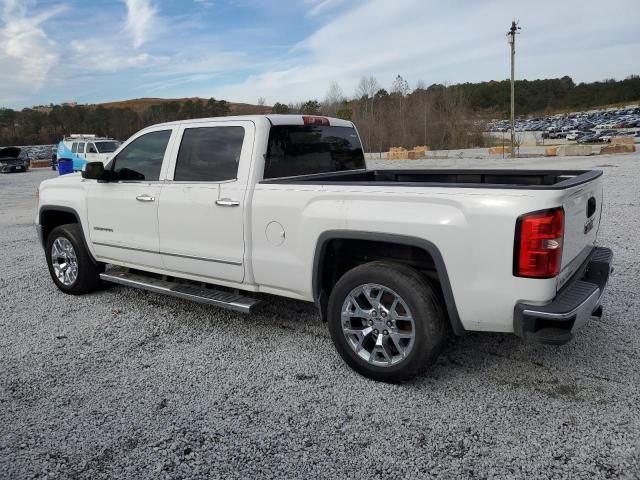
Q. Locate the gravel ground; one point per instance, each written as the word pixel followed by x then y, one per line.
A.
pixel 128 384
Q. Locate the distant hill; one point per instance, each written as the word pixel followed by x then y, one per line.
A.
pixel 47 124
pixel 139 105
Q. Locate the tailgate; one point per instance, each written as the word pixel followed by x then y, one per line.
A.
pixel 582 209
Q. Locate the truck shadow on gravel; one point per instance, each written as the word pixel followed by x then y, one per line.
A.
pixel 481 355
pixel 505 360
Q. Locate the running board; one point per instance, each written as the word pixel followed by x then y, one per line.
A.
pixel 209 296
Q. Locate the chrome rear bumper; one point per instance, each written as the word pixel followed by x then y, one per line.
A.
pixel 577 301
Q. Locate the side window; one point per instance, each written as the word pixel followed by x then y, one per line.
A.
pixel 81 148
pixel 209 154
pixel 74 147
pixel 91 148
pixel 142 158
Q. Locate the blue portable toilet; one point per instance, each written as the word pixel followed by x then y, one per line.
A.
pixel 65 165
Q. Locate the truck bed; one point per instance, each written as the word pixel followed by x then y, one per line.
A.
pixel 471 178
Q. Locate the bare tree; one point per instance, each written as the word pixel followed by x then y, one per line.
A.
pixel 400 85
pixel 400 89
pixel 366 115
pixel 333 99
pixel 421 92
pixel 261 101
pixel 439 115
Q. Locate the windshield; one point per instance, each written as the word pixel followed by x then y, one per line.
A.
pixel 107 147
pixel 306 149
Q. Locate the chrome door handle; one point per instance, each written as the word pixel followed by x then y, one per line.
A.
pixel 227 202
pixel 145 198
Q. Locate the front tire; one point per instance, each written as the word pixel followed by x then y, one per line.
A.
pixel 70 265
pixel 386 321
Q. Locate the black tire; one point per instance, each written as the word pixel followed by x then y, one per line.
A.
pixel 421 297
pixel 88 271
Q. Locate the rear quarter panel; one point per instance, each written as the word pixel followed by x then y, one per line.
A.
pixel 473 229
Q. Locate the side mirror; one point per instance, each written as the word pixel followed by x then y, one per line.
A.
pixel 93 171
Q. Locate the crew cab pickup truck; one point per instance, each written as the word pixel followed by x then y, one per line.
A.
pixel 219 210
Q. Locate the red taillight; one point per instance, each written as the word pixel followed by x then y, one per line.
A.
pixel 538 244
pixel 316 121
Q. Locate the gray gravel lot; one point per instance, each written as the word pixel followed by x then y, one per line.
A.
pixel 128 384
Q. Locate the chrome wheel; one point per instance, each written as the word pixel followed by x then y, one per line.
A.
pixel 378 325
pixel 64 261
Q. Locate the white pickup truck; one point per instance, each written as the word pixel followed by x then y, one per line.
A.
pixel 215 210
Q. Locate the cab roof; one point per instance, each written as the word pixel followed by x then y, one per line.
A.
pixel 274 119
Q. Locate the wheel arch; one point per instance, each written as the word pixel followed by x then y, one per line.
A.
pixel 52 216
pixel 320 295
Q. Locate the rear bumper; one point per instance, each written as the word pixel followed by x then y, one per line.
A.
pixel 576 302
pixel 12 168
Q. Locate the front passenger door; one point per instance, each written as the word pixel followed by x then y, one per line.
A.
pixel 123 214
pixel 91 153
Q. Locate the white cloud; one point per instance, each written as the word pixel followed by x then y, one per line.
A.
pixel 453 42
pixel 27 54
pixel 99 55
pixel 130 47
pixel 205 3
pixel 318 7
pixel 141 21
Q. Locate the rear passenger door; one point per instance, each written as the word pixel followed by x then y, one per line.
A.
pixel 201 211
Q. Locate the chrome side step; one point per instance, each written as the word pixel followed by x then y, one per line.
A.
pixel 186 291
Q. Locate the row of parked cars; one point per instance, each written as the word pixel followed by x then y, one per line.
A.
pixel 560 125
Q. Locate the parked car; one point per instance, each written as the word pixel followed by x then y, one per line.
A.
pixel 12 161
pixel 589 138
pixel 574 134
pixel 218 209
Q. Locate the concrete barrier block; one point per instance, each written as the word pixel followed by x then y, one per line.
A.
pixel 574 150
pixel 416 154
pixel 621 148
pixel 422 148
pixel 622 140
pixel 398 153
pixel 550 151
pixel 499 150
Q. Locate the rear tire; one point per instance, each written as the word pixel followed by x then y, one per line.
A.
pixel 70 265
pixel 386 321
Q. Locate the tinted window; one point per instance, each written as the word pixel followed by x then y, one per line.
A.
pixel 91 148
pixel 142 158
pixel 81 148
pixel 305 149
pixel 107 147
pixel 74 147
pixel 209 154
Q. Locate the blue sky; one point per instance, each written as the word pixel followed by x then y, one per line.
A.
pixel 292 50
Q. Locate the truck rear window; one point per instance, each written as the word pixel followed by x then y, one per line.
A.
pixel 306 149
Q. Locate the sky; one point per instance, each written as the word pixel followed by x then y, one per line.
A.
pixel 91 51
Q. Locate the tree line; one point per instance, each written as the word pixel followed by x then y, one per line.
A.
pixel 441 116
pixel 538 96
pixel 453 116
pixel 47 125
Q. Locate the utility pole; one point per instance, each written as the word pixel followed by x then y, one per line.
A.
pixel 511 38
